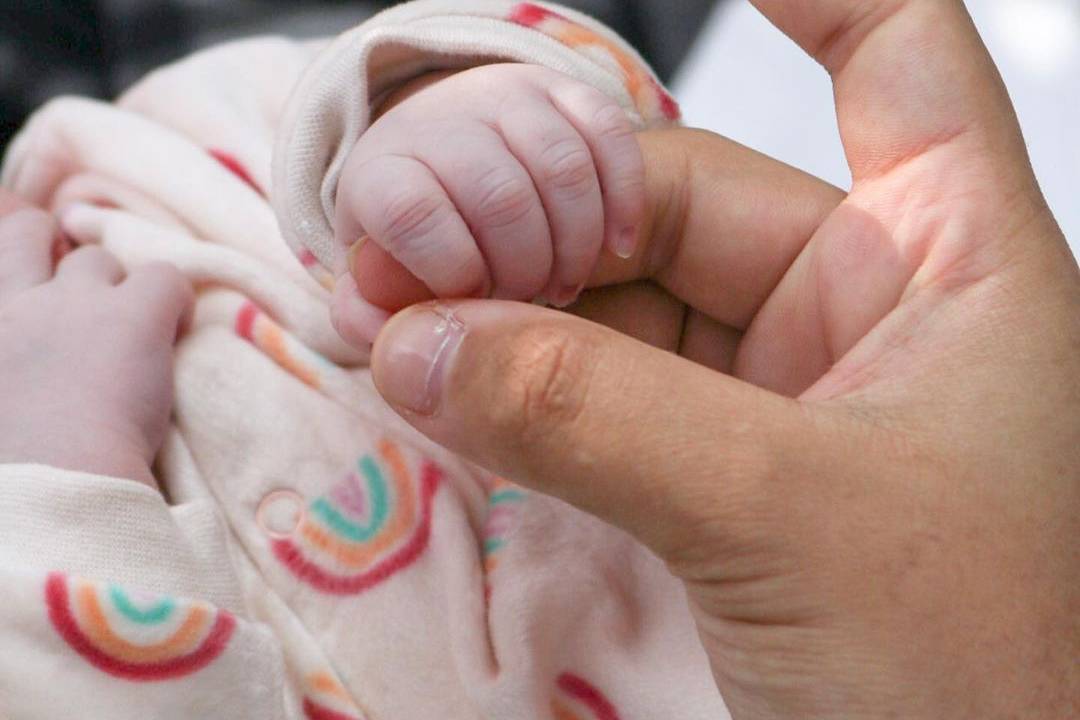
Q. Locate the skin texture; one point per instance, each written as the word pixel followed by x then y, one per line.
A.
pixel 864 458
pixel 68 332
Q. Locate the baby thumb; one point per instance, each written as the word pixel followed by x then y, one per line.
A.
pixel 383 281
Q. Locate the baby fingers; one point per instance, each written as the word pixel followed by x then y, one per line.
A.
pixel 400 204
pixel 610 136
pixel 499 202
pixel 565 175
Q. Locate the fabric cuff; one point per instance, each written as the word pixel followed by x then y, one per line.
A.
pixel 113 530
pixel 332 104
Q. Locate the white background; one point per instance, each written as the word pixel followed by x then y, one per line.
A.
pixel 747 81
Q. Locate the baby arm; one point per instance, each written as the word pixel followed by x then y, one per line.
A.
pixel 505 181
pixel 95 567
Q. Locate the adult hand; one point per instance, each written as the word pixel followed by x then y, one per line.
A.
pixel 870 479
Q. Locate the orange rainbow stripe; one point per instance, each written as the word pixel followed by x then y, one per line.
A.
pixel 327 699
pixel 312 265
pixel 294 357
pixel 103 626
pixel 649 96
pixel 359 556
pixel 346 544
pixel 183 641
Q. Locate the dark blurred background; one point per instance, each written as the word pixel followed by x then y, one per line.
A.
pixel 99 47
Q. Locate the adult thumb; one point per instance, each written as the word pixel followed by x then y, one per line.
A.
pixel 639 437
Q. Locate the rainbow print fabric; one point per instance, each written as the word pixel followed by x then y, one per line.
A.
pixel 504 500
pixel 136 636
pixel 326 699
pixel 653 102
pixel 258 328
pixel 373 524
pixel 578 699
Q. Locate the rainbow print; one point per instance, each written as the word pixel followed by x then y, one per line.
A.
pixel 136 637
pixel 576 692
pixel 504 498
pixel 366 529
pixel 293 356
pixel 327 699
pixel 230 163
pixel 650 98
pixel 312 265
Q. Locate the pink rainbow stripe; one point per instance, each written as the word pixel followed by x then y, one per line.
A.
pixel 638 78
pixel 350 496
pixel 500 520
pixel 236 168
pixel 582 691
pixel 331 583
pixel 57 600
pixel 315 711
pixel 258 328
pixel 245 320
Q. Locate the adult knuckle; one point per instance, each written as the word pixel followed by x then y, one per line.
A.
pixel 503 199
pixel 548 374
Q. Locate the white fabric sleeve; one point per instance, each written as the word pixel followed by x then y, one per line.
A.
pixel 331 105
pixel 117 605
pixel 115 530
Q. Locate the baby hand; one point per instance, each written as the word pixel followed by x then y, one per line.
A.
pixel 503 181
pixel 86 351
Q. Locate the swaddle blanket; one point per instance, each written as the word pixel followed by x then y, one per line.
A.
pixel 313 556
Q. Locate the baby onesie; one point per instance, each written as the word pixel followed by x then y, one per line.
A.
pixel 313 556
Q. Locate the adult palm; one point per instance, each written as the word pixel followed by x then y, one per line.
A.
pixel 875 509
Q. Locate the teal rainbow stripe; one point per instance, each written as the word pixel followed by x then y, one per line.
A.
pixel 506 496
pixel 154 615
pixel 378 495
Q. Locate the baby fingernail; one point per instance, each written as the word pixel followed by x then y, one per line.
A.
pixel 353 252
pixel 626 243
pixel 567 295
pixel 420 350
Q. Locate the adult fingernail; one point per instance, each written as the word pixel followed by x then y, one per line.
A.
pixel 420 346
pixel 626 243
